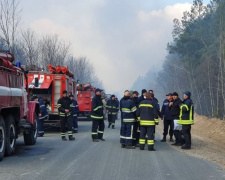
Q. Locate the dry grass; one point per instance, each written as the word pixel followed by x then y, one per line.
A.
pixel 208 139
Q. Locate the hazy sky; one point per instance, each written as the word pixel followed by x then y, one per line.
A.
pixel 122 38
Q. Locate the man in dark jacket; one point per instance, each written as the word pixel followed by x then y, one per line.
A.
pixel 64 107
pixel 175 112
pixel 136 133
pixel 112 108
pixel 186 119
pixel 166 116
pixel 143 95
pixel 128 109
pixel 148 117
pixel 42 116
pixel 98 124
pixel 74 113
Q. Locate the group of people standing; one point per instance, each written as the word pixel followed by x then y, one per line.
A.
pixel 179 115
pixel 140 115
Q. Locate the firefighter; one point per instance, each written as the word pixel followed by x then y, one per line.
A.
pixel 136 133
pixel 167 118
pixel 98 125
pixel 156 105
pixel 186 119
pixel 143 95
pixel 42 115
pixel 112 108
pixel 128 109
pixel 64 107
pixel 74 113
pixel 147 114
pixel 175 112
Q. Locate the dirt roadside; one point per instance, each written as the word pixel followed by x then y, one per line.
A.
pixel 208 139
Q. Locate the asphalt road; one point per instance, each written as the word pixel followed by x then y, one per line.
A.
pixel 54 159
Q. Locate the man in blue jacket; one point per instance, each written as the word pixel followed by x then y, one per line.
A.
pixel 42 116
pixel 74 112
pixel 166 116
pixel 128 110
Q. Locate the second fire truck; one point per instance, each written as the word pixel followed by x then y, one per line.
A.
pixel 50 86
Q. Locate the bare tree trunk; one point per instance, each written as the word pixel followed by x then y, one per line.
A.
pixel 9 21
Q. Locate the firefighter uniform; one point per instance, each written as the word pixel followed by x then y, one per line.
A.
pixel 98 125
pixel 128 110
pixel 44 115
pixel 186 119
pixel 147 115
pixel 137 123
pixel 63 104
pixel 112 107
pixel 74 113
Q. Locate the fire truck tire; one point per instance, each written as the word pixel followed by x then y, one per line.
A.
pixel 2 138
pixel 10 135
pixel 30 137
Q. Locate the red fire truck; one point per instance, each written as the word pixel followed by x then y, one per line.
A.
pixel 49 86
pixel 85 93
pixel 17 114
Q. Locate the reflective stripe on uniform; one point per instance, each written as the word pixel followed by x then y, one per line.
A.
pixel 185 122
pixel 134 109
pixel 156 120
pixel 150 142
pixel 99 107
pixel 126 110
pixel 63 134
pixel 146 105
pixel 101 132
pixel 128 120
pixel 59 105
pixel 147 123
pixel 70 132
pixel 141 141
pixel 94 133
pixel 96 117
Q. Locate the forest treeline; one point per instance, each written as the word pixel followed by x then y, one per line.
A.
pixel 36 51
pixel 196 58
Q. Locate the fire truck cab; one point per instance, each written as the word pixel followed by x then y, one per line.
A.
pixel 49 86
pixel 17 113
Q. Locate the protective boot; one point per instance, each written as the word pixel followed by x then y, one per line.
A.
pixel 113 127
pixel 71 138
pixel 64 138
pixel 109 125
pixel 163 139
pixel 151 148
pixel 171 139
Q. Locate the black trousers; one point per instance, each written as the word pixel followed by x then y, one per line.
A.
pixel 168 124
pixel 149 130
pixel 111 119
pixel 63 121
pixel 98 127
pixel 186 131
pixel 136 133
pixel 177 135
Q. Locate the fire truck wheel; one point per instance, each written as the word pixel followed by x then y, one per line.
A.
pixel 10 135
pixel 2 138
pixel 30 137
